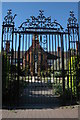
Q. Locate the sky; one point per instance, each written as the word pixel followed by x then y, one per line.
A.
pixel 57 10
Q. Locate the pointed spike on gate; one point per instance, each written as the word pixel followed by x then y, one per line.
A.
pixel 41 11
pixel 27 19
pixel 9 11
pixel 72 13
pixel 15 15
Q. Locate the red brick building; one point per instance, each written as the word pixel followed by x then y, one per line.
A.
pixel 36 58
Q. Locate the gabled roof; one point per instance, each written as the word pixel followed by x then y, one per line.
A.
pixel 40 49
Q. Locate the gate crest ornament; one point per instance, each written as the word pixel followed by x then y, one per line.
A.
pixel 8 19
pixel 40 23
pixel 72 24
pixel 72 21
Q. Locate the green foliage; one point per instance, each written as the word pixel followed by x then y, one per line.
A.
pixel 67 94
pixel 57 89
pixel 5 73
pixel 74 74
pixel 77 73
pixel 26 71
pixel 45 73
pixel 60 74
pixel 9 82
pixel 50 85
pixel 67 97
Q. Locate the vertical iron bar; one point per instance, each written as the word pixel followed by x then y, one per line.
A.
pixel 62 50
pixel 18 69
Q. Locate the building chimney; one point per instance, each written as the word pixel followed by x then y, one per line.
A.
pixel 7 46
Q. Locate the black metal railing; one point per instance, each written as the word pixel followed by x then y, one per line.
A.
pixel 41 59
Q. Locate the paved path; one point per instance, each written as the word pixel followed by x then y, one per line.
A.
pixel 65 112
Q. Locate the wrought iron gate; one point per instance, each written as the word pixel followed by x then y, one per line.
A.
pixel 38 59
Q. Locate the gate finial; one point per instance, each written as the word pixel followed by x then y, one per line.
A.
pixel 72 21
pixel 8 19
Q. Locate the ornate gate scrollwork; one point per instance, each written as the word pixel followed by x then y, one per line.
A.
pixel 40 23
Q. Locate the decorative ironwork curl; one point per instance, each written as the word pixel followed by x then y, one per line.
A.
pixel 40 22
pixel 43 41
pixel 8 19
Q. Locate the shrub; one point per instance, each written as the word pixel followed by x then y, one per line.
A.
pixel 57 89
pixel 75 74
